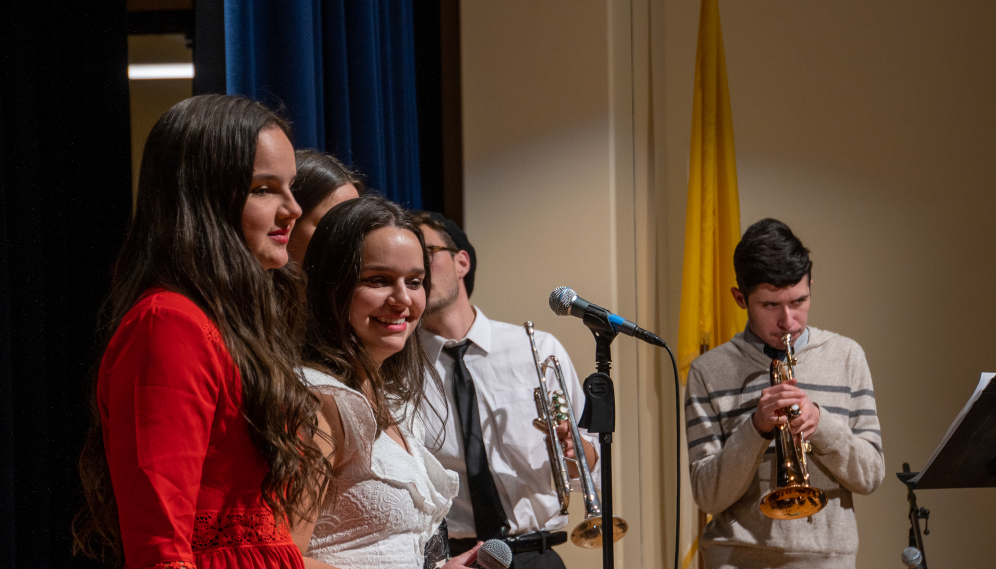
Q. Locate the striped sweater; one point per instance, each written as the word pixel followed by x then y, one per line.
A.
pixel 732 467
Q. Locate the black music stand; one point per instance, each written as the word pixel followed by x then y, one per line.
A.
pixel 966 457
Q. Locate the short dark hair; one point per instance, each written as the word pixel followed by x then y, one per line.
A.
pixel 454 237
pixel 770 253
pixel 319 175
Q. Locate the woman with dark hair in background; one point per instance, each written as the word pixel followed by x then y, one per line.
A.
pixel 368 280
pixel 322 182
pixel 202 443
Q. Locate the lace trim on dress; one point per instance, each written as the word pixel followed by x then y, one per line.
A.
pixel 212 333
pixel 250 527
pixel 171 565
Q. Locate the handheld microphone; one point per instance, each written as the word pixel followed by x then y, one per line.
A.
pixel 564 301
pixel 494 554
pixel 912 557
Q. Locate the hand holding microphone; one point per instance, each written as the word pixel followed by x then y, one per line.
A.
pixel 492 554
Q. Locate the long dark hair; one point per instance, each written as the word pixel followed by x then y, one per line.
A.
pixel 186 237
pixel 319 175
pixel 333 264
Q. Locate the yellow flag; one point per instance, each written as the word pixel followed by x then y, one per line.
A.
pixel 709 316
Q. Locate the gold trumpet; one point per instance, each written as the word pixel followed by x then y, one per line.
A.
pixel 552 411
pixel 796 498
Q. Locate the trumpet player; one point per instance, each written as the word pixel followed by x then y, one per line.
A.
pixel 489 440
pixel 733 413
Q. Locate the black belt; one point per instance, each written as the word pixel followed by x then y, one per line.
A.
pixel 522 543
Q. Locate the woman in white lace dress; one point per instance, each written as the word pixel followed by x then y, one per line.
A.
pixel 368 278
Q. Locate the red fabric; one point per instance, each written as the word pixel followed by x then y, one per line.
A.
pixel 186 475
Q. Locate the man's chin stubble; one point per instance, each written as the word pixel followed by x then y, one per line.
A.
pixel 433 308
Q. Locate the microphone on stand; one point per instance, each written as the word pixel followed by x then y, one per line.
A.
pixel 494 554
pixel 564 301
pixel 912 557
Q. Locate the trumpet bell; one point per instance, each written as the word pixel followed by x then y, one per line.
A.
pixel 588 534
pixel 793 502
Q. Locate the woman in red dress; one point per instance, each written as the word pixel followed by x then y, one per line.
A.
pixel 202 445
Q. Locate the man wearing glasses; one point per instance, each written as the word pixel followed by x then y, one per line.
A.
pixel 489 375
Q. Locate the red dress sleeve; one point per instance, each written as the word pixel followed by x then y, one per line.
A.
pixel 159 385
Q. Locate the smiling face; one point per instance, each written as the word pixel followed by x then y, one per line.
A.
pixel 389 297
pixel 773 312
pixel 270 210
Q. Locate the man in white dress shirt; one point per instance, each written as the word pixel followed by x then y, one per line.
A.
pixel 506 489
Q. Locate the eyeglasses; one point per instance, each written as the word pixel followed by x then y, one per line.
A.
pixel 433 249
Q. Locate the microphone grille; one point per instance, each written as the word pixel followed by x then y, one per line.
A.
pixel 912 557
pixel 494 554
pixel 561 299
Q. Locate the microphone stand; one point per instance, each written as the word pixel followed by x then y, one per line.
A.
pixel 916 540
pixel 599 417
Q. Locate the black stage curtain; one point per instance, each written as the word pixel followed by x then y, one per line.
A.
pixel 65 198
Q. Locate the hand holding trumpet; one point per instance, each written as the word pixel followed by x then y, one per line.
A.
pixel 771 407
pixel 567 444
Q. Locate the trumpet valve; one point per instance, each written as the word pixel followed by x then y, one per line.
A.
pixel 559 406
pixel 794 411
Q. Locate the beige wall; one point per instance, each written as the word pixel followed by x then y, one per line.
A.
pixel 553 198
pixel 870 128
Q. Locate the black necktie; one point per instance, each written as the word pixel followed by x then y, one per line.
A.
pixel 490 520
pixel 774 353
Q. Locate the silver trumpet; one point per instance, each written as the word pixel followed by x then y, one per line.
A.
pixel 552 410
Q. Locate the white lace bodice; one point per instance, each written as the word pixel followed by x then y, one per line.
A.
pixel 384 503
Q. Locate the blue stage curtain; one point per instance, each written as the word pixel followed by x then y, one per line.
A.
pixel 344 71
